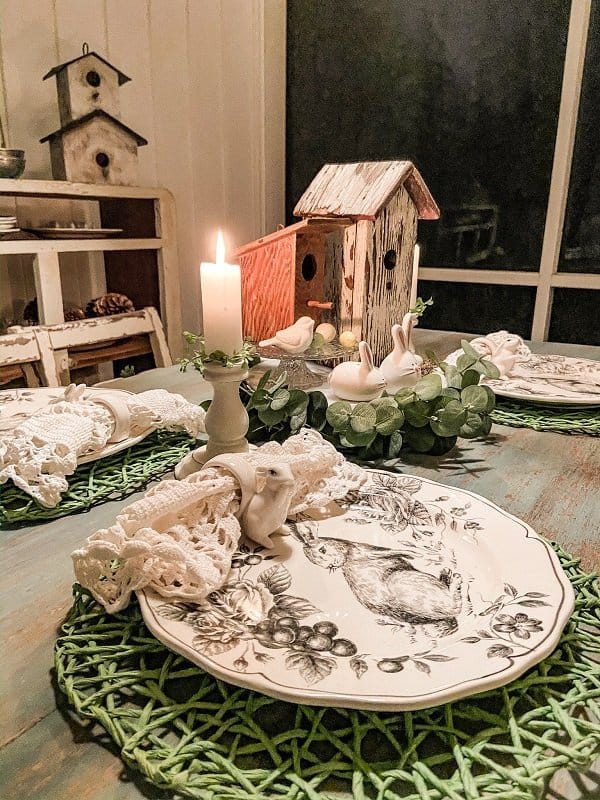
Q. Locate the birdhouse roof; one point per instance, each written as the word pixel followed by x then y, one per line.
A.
pixel 361 190
pixel 324 225
pixel 122 77
pixel 98 112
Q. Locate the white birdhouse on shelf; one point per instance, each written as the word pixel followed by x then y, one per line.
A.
pixel 92 145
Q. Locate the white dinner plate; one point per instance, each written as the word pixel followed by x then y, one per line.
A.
pixel 18 404
pixel 415 595
pixel 548 379
pixel 74 233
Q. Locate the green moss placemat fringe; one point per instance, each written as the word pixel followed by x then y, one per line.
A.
pixel 111 478
pixel 200 738
pixel 547 418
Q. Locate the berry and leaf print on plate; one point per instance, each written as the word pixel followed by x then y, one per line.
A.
pixel 415 595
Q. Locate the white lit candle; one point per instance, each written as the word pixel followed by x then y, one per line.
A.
pixel 221 288
pixel 415 276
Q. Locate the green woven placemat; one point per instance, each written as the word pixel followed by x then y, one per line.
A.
pixel 547 418
pixel 111 478
pixel 198 737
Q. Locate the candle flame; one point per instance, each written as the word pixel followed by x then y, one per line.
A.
pixel 220 252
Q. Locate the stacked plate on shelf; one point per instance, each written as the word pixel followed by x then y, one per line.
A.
pixel 8 225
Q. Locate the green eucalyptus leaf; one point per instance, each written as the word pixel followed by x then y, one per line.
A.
pixel 453 414
pixel 271 417
pixel 453 393
pixel 486 425
pixel 297 421
pixel 491 403
pixel 440 429
pixel 405 397
pixel 470 378
pixel 428 387
pixel 384 401
pixel 338 415
pixel 388 419
pixel 453 376
pixel 363 418
pixel 489 369
pixel 465 361
pixel 317 410
pixel 474 398
pixel 417 414
pixel 395 444
pixel 318 341
pixel 360 438
pixel 419 439
pixel 280 399
pixel 297 403
pixel 472 427
pixel 469 349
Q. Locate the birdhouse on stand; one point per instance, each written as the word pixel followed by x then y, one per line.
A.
pixel 92 145
pixel 348 262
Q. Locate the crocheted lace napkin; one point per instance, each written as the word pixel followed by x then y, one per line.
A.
pixel 178 540
pixel 41 451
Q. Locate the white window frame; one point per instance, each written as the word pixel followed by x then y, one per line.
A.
pixel 547 278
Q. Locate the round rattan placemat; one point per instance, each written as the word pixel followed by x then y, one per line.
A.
pixel 189 733
pixel 112 478
pixel 547 418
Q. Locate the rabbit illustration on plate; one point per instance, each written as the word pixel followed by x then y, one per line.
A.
pixel 385 582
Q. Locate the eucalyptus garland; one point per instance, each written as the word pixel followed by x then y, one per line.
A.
pixel 198 357
pixel 428 417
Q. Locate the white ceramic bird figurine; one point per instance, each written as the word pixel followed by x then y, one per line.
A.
pixel 295 339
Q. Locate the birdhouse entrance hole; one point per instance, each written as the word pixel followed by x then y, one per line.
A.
pixel 389 259
pixel 309 267
pixel 102 160
pixel 93 78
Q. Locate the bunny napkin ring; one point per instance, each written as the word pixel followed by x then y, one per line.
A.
pixel 267 491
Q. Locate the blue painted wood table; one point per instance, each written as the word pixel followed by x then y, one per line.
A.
pixel 550 480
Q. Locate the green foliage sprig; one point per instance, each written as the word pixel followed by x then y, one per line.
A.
pixel 198 357
pixel 427 417
pixel 420 306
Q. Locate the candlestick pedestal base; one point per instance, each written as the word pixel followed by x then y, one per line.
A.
pixel 226 419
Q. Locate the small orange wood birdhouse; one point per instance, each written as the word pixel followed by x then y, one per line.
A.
pixel 350 259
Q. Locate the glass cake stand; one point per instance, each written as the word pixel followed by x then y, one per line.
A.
pixel 299 376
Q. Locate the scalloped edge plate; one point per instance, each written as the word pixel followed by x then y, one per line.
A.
pixel 415 595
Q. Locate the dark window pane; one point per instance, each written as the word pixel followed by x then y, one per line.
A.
pixel 575 315
pixel 581 237
pixel 468 90
pixel 478 308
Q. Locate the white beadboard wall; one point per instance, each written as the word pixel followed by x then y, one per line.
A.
pixel 207 91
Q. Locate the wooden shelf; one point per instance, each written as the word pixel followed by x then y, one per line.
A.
pixel 80 191
pixel 33 246
pixel 126 348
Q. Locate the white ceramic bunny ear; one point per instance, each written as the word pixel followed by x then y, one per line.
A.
pixel 366 354
pixel 399 337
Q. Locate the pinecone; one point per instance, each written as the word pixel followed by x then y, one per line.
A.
pixel 73 314
pixel 111 303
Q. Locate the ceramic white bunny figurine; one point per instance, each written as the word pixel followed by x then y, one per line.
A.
pixel 502 353
pixel 409 321
pixel 267 491
pixel 401 368
pixel 358 380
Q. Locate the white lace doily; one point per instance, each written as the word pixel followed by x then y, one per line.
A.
pixel 41 451
pixel 180 537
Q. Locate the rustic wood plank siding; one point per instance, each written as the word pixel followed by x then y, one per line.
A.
pixel 268 288
pixel 387 291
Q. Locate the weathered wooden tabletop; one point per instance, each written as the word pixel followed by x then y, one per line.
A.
pixel 549 480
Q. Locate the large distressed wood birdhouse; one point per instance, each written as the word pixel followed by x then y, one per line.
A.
pixel 349 261
pixel 92 145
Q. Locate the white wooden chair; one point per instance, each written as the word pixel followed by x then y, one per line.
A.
pixel 21 357
pixel 85 342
